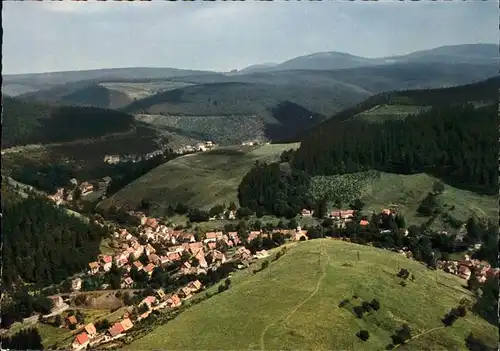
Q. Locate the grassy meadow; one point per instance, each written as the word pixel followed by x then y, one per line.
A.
pixel 294 304
pixel 198 180
pixel 386 112
pixel 379 190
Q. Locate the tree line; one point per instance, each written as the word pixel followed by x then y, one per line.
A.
pixel 456 143
pixel 42 244
pixel 26 122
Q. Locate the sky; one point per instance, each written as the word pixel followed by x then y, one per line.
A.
pixel 59 36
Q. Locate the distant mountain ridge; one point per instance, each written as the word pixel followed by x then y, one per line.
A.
pixel 333 60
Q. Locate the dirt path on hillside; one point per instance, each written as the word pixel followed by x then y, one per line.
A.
pixel 296 308
pixel 419 335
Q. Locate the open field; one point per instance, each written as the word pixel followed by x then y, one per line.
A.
pixel 294 305
pixel 379 190
pixel 385 112
pixel 142 90
pixel 198 180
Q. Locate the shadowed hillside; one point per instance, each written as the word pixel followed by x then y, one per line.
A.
pixel 31 122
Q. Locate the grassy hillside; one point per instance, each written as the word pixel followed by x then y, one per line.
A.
pixel 294 305
pixel 26 122
pixel 380 113
pixel 380 190
pixel 199 180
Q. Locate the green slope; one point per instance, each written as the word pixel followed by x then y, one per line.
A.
pixel 296 306
pixel 380 190
pixel 198 180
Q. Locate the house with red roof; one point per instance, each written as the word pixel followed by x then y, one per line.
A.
pixel 72 320
pixel 127 283
pixel 116 330
pixel 212 245
pixel 363 223
pixel 126 324
pixel 149 268
pixel 174 301
pixel 152 223
pixel 138 265
pixel 195 247
pixel 173 256
pixel 81 341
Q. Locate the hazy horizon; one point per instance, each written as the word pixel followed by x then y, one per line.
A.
pixel 223 36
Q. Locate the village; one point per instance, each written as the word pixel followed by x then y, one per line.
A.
pixel 195 257
pixel 200 256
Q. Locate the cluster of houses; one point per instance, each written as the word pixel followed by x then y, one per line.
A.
pixel 90 337
pixel 253 143
pixel 176 245
pixel 115 159
pixel 466 267
pixel 63 195
pixel 200 147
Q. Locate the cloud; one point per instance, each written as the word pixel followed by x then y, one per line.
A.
pixel 222 35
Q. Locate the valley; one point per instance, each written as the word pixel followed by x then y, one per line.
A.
pixel 328 201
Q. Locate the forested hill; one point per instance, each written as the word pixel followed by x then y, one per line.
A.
pixel 26 122
pixel 456 143
pixel 454 139
pixel 85 93
pixel 480 92
pixel 42 244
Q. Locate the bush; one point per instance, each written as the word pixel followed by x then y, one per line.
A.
pixel 358 311
pixel 401 335
pixel 102 325
pixel 404 273
pixel 363 335
pixel 366 306
pixel 375 305
pixel 221 288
